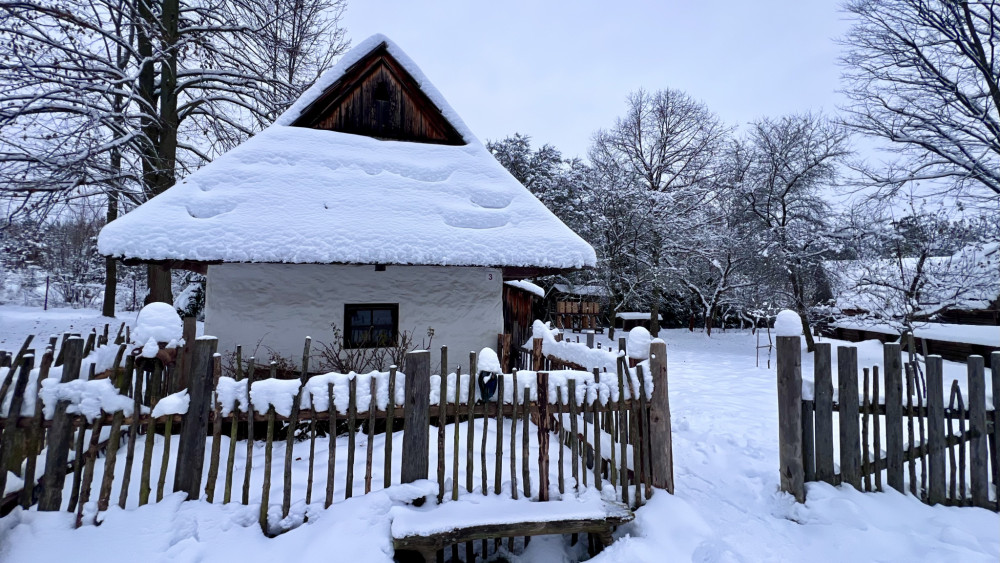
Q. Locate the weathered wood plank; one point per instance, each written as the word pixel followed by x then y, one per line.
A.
pixel 525 451
pixel 442 420
pixel 265 493
pixel 661 455
pixel 293 422
pixel 194 428
pixel 543 436
pixel 995 437
pixel 790 416
pixel 416 444
pixel 88 469
pixel 823 385
pixel 370 445
pixel 390 423
pixel 865 452
pixel 248 468
pixel 36 435
pixel 979 470
pixel 133 436
pixel 227 494
pixel 877 426
pixel 515 398
pixel 331 452
pixel 8 458
pixel 352 425
pixel 935 429
pixel 498 457
pixel 893 415
pixel 214 458
pixel 850 438
pixel 574 443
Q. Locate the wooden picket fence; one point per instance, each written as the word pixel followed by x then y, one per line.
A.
pixel 898 431
pixel 607 423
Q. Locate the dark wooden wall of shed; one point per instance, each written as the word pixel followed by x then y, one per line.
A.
pixel 378 98
pixel 518 314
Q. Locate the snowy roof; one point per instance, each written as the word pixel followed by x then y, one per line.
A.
pixel 968 279
pixel 594 290
pixel 301 195
pixel 526 285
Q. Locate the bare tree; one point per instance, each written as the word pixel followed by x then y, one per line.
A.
pixel 666 142
pixel 115 98
pixel 924 75
pixel 791 160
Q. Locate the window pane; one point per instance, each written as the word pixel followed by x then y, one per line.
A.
pixel 382 317
pixel 361 317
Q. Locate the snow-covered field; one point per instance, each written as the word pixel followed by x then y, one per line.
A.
pixel 727 506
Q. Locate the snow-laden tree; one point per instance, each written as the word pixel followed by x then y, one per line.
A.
pixel 915 260
pixel 791 160
pixel 924 75
pixel 667 143
pixel 117 99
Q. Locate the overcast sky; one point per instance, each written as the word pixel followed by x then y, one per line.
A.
pixel 560 70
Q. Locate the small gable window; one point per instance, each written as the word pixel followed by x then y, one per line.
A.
pixel 372 325
pixel 381 91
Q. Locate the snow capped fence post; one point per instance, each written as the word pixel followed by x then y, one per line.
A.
pixel 61 432
pixel 194 426
pixel 416 414
pixel 790 415
pixel 661 454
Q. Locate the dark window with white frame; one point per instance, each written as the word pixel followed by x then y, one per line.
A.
pixel 370 325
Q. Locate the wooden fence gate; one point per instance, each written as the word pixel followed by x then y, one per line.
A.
pixel 898 431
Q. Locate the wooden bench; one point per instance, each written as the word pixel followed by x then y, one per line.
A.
pixel 431 529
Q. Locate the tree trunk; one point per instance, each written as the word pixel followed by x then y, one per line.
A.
pixel 159 285
pixel 800 308
pixel 709 316
pixel 654 312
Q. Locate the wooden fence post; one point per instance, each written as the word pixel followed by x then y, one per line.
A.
pixel 893 415
pixel 543 434
pixel 61 432
pixel 995 438
pixel 935 430
pixel 979 468
pixel 823 385
pixel 790 416
pixel 416 414
pixel 661 441
pixel 194 425
pixel 537 356
pixel 850 430
pixel 13 442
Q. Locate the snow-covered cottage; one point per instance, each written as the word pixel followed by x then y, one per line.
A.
pixel 368 205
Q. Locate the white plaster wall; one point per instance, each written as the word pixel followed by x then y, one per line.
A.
pixel 280 304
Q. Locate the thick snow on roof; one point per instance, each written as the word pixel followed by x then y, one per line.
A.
pixel 300 195
pixel 526 285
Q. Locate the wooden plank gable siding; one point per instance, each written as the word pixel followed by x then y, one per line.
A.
pixel 377 97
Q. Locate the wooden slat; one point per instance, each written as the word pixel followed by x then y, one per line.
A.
pixel 165 459
pixel 470 424
pixel 525 452
pixel 995 437
pixel 911 440
pixel 250 437
pixel 214 457
pixel 153 391
pixel 88 469
pixel 560 411
pixel 865 452
pixel 227 494
pixel 352 421
pixel 484 479
pixel 823 385
pixel 370 446
pixel 293 422
pixel 644 434
pixel 598 437
pixel 935 430
pixel 515 398
pixel 622 434
pixel 498 457
pixel 543 436
pixel 36 435
pixel 441 420
pixel 877 426
pixel 662 458
pixel 850 442
pixel 417 416
pixel 114 442
pixel 893 415
pixel 455 435
pixel 978 447
pixel 574 443
pixel 265 493
pixel 331 452
pixel 390 423
pixel 133 433
pixel 790 416
pixel 194 429
pixel 808 442
pixel 9 438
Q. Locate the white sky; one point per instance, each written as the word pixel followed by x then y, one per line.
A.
pixel 559 70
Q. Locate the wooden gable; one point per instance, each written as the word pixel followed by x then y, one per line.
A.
pixel 377 97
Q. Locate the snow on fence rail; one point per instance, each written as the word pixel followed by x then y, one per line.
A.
pixel 150 425
pixel 905 427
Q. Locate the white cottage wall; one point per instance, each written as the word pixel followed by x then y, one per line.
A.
pixel 279 305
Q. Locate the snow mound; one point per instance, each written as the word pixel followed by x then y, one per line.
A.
pixel 788 323
pixel 159 322
pixel 488 361
pixel 638 343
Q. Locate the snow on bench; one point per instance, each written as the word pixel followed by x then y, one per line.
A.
pixel 430 528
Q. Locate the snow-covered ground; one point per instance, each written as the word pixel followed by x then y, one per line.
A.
pixel 727 506
pixel 17 322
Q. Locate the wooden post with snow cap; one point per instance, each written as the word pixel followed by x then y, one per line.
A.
pixel 790 415
pixel 662 450
pixel 416 414
pixel 194 425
